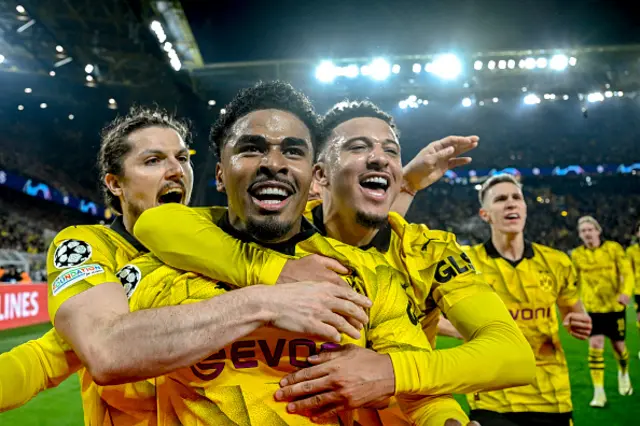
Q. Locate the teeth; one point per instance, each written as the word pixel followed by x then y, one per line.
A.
pixel 173 191
pixel 272 191
pixel 512 216
pixel 376 179
pixel 270 201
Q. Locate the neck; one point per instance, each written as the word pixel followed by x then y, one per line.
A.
pixel 261 237
pixel 510 245
pixel 129 221
pixel 344 229
pixel 596 243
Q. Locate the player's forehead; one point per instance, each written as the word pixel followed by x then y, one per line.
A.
pixel 272 124
pixel 365 128
pixel 503 188
pixel 586 226
pixel 156 139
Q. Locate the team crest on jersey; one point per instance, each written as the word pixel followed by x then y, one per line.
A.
pixel 129 277
pixel 71 253
pixel 546 282
pixel 73 275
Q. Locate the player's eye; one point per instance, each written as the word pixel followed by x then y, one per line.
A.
pixel 295 151
pixel 250 149
pixel 151 161
pixel 183 159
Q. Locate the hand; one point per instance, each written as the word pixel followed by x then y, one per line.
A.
pixel 624 299
pixel 347 378
pixel 578 324
pixel 454 422
pixel 317 309
pixel 435 159
pixel 314 266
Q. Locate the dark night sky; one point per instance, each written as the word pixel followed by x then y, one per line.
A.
pixel 242 30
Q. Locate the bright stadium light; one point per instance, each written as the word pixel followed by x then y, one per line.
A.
pixel 608 94
pixel 573 61
pixel 380 69
pixel 595 97
pixel 1 59
pixel 28 90
pixel 495 100
pixel 112 101
pixel 59 49
pixel 223 111
pixel 395 68
pixel 541 62
pixel 412 98
pixel 52 73
pixel 43 105
pixel 20 8
pixel 522 63
pixel 477 65
pixel 402 104
pixel 491 65
pixel 511 64
pixel 565 97
pixel 365 70
pixel 211 102
pixel 417 68
pixel 502 64
pixel 20 107
pixel 89 78
pixel 352 71
pixel 326 72
pixel 620 93
pixel 71 117
pixel 531 99
pixel 559 62
pixel 167 46
pixel 447 66
pixel 466 102
pixel 88 69
pixel 530 63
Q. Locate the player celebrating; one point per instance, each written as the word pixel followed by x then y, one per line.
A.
pixel 633 253
pixel 531 279
pixel 606 285
pixel 266 143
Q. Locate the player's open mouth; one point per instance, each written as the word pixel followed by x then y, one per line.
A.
pixel 512 216
pixel 375 185
pixel 271 196
pixel 171 195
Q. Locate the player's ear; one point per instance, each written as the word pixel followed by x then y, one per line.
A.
pixel 484 215
pixel 219 181
pixel 320 174
pixel 113 183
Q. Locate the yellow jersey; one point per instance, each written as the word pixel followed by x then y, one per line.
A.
pixel 603 274
pixel 633 253
pixel 236 385
pixel 79 258
pixel 531 288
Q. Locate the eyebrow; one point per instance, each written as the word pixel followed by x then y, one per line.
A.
pixel 368 139
pixel 261 140
pixel 159 152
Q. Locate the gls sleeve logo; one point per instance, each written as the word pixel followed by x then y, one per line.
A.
pixel 450 268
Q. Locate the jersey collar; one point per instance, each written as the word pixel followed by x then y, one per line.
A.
pixel 492 252
pixel 286 247
pixel 118 226
pixel 381 241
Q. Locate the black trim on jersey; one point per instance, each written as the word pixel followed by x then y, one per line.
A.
pixel 381 241
pixel 492 252
pixel 286 247
pixel 118 226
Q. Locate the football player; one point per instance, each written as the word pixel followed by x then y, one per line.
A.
pixel 605 279
pixel 531 279
pixel 266 143
pixel 633 252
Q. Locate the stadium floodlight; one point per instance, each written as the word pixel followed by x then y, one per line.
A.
pixel 511 64
pixel 495 100
pixel 565 97
pixel 477 65
pixel 522 63
pixel 89 78
pixel 620 93
pixel 112 101
pixel 447 66
pixel 326 72
pixel 491 65
pixel 530 63
pixel 26 26
pixel 481 103
pixel 71 117
pixel 365 70
pixel 20 8
pixel 380 69
pixel 211 102
pixel 478 187
pixel 608 94
pixel 595 97
pixel 28 90
pixel 573 61
pixel 223 111
pixel 531 99
pixel 402 104
pixel 89 69
pixel 59 49
pixel 20 107
pixel 176 64
pixel 350 71
pixel 395 69
pixel 52 73
pixel 502 64
pixel 542 62
pixel 417 68
pixel 167 46
pixel 1 59
pixel 425 102
pixel 559 62
pixel 43 105
pixel 412 98
pixel 466 102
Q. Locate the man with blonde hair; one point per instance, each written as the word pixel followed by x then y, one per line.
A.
pixel 606 284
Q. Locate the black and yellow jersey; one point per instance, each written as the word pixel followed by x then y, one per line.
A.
pixel 633 253
pixel 79 258
pixel 237 384
pixel 603 274
pixel 531 288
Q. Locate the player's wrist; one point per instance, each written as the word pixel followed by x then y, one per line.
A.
pixel 257 305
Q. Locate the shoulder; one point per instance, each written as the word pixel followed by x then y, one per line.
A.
pixel 75 245
pixel 552 255
pixel 613 246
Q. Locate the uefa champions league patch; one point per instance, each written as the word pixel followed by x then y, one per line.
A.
pixel 71 253
pixel 129 277
pixel 71 276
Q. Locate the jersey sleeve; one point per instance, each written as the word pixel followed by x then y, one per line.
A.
pixel 495 356
pixel 634 256
pixel 624 270
pixel 32 367
pixel 188 239
pixel 568 293
pixel 432 410
pixel 78 259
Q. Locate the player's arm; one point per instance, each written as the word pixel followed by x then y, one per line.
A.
pixel 32 367
pixel 574 317
pixel 187 239
pixel 445 328
pixel 625 272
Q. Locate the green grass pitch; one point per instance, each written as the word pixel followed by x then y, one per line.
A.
pixel 62 407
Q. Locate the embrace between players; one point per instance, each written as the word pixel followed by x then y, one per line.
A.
pixel 171 315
